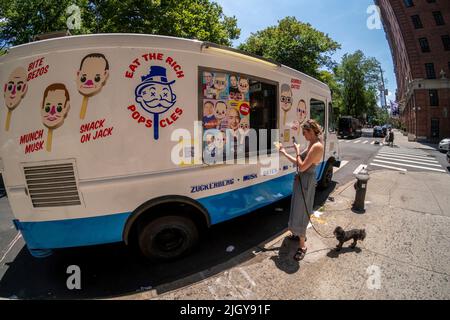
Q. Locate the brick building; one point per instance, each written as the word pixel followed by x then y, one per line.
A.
pixel 418 32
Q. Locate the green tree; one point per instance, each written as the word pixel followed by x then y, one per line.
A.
pixel 294 44
pixel 204 20
pixel 358 78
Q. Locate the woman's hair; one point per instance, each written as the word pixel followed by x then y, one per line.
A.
pixel 314 126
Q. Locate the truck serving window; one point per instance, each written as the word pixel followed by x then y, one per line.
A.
pixel 237 106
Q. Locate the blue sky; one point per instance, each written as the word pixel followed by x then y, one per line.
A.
pixel 345 21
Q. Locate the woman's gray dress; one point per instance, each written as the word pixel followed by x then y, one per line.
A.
pixel 298 219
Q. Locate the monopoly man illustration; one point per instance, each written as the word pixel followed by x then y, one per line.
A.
pixel 155 94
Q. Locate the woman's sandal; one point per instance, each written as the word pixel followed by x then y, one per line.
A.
pixel 300 254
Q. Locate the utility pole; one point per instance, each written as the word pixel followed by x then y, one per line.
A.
pixel 383 91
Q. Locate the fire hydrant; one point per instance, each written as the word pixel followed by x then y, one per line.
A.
pixel 361 188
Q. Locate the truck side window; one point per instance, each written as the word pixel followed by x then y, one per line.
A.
pixel 331 119
pixel 318 111
pixel 233 108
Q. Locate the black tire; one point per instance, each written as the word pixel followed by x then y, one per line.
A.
pixel 167 238
pixel 327 177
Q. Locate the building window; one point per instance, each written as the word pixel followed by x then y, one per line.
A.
pixel 424 45
pixel 434 98
pixel 408 3
pixel 431 1
pixel 431 74
pixel 417 22
pixel 446 42
pixel 438 18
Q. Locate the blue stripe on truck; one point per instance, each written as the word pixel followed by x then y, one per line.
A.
pixel 44 235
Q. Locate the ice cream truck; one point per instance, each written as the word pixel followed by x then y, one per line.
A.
pixel 123 138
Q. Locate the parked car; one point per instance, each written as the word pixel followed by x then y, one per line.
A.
pixel 444 145
pixel 349 127
pixel 378 132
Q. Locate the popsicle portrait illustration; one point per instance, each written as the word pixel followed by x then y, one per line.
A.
pixel 91 78
pixel 155 94
pixel 14 91
pixel 54 109
pixel 286 100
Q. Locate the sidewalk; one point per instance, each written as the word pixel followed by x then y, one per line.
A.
pixel 407 245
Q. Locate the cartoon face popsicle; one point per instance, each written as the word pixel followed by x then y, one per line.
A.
pixel 54 109
pixel 155 94
pixel 301 111
pixel 14 90
pixel 91 78
pixel 286 100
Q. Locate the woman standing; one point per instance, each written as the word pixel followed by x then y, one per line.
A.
pixel 306 162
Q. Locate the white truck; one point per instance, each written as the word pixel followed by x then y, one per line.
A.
pixel 118 137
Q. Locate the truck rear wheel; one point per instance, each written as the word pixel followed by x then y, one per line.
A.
pixel 167 238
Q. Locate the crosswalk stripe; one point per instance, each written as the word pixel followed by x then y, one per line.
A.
pixel 373 142
pixel 410 161
pixel 343 163
pixel 405 156
pixel 358 141
pixel 410 165
pixel 387 150
pixel 388 167
pixel 365 142
pixel 348 141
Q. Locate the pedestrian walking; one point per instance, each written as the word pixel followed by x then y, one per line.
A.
pixel 391 138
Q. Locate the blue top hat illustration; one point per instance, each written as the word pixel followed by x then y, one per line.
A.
pixel 157 75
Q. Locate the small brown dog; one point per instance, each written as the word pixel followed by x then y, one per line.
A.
pixel 344 236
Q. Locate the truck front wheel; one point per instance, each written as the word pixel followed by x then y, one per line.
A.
pixel 167 238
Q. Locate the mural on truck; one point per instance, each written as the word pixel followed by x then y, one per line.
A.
pixel 14 90
pixel 91 78
pixel 54 110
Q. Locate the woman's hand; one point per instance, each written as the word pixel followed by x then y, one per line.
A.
pixel 279 147
pixel 297 148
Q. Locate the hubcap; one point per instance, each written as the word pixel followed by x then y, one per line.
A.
pixel 170 239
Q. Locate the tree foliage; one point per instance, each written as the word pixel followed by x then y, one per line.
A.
pixel 358 78
pixel 294 44
pixel 20 20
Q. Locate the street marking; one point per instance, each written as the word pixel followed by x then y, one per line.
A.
pixel 388 150
pixel 405 155
pixel 343 163
pixel 388 167
pixel 406 158
pixel 358 141
pixel 373 142
pixel 362 166
pixel 11 245
pixel 410 165
pixel 348 141
pixel 409 161
pixel 365 142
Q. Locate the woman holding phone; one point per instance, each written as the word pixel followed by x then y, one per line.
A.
pixel 306 163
